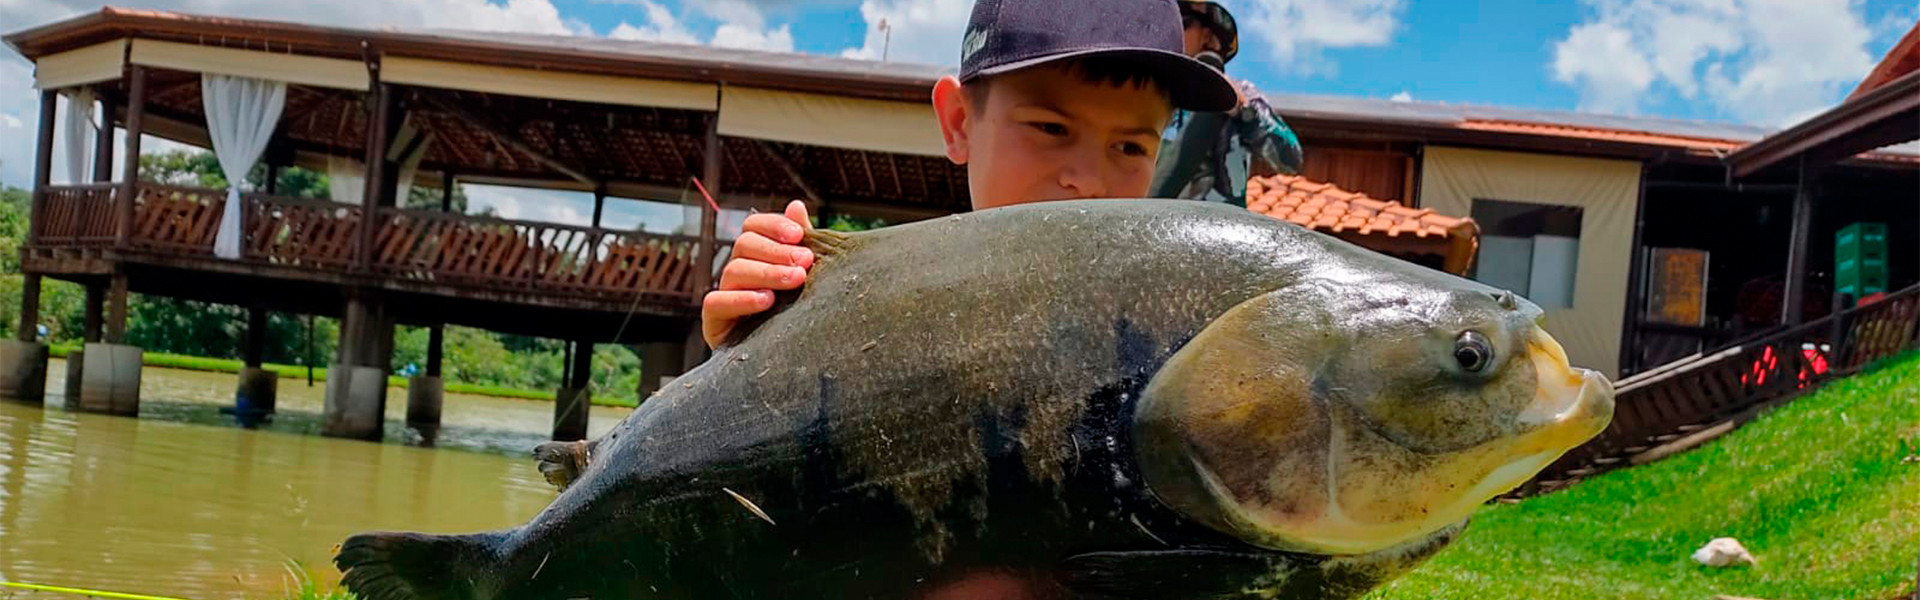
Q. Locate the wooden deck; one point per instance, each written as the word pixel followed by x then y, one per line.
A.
pixel 79 232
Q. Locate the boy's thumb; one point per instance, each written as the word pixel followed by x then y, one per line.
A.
pixel 797 212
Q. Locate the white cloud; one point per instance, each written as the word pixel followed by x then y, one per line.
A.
pixel 1403 96
pixel 741 26
pixel 1770 62
pixel 923 31
pixel 1298 32
pixel 660 26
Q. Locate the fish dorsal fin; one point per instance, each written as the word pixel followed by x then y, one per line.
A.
pixel 826 245
pixel 1173 573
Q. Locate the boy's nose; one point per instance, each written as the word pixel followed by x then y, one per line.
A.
pixel 1082 178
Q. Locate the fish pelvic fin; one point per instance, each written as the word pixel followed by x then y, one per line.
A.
pixel 415 566
pixel 563 462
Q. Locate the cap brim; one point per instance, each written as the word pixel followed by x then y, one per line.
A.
pixel 1193 85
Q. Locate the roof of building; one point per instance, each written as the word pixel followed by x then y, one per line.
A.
pixel 1382 225
pixel 1902 59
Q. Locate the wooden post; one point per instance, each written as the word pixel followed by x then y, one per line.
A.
pixel 96 304
pixel 446 191
pixel 1794 301
pixel 29 308
pixel 103 143
pixel 599 202
pixel 117 307
pixel 130 159
pixel 1636 288
pixel 42 170
pixel 436 339
pixel 255 349
pixel 376 172
pixel 273 178
pixel 710 175
pixel 582 368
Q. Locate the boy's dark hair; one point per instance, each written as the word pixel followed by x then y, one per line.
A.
pixel 1112 71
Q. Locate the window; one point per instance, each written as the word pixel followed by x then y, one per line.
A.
pixel 1529 249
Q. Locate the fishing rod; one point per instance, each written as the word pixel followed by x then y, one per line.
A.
pixel 83 592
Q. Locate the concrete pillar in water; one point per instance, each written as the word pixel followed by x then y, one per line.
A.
pixel 91 326
pixel 23 371
pixel 255 397
pixel 76 373
pixel 110 379
pixel 110 373
pixel 357 383
pixel 426 393
pixel 571 403
pixel 659 360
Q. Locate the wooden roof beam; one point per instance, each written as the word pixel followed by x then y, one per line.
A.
pixel 780 160
pixel 499 131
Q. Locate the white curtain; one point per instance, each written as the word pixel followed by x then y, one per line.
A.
pixel 241 115
pixel 407 149
pixel 346 180
pixel 80 132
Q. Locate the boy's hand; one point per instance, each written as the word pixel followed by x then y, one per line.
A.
pixel 767 257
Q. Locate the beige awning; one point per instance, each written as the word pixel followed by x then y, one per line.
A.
pixel 274 66
pixel 831 121
pixel 92 64
pixel 578 87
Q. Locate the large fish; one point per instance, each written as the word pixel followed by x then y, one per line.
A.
pixel 1099 399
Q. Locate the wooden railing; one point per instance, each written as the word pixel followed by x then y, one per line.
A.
pixel 299 232
pixel 409 245
pixel 1674 400
pixel 445 248
pixel 179 220
pixel 77 215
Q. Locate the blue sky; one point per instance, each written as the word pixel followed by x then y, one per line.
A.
pixel 1767 62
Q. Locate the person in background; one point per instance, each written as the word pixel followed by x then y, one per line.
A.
pixel 1209 156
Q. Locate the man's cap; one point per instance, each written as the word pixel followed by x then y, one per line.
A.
pixel 1007 35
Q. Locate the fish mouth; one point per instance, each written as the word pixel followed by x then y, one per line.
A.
pixel 1570 406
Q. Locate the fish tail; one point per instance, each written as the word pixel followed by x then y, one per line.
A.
pixel 416 566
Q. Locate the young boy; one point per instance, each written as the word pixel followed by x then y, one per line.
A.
pixel 1055 100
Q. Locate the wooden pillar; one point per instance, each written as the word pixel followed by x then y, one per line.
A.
pixel 130 159
pixel 571 404
pixel 376 171
pixel 254 351
pixel 117 307
pixel 103 143
pixel 599 203
pixel 1794 302
pixel 43 169
pixel 29 330
pixel 446 191
pixel 1636 288
pixel 436 339
pixel 273 178
pixel 710 175
pixel 96 301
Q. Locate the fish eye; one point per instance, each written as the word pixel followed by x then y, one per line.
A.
pixel 1473 352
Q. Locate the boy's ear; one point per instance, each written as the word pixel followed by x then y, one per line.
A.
pixel 951 107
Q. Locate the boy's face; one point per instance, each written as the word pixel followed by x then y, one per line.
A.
pixel 1046 133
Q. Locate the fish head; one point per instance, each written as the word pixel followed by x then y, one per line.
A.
pixel 1348 417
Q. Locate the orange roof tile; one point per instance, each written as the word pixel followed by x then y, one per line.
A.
pixel 1610 135
pixel 1383 225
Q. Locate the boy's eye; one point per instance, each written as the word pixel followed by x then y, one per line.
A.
pixel 1049 128
pixel 1132 149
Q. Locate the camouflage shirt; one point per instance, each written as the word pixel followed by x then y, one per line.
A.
pixel 1209 156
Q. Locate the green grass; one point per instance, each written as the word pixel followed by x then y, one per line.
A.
pixel 1824 491
pixel 227 365
pixel 302 585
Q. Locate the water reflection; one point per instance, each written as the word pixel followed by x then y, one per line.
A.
pixel 181 502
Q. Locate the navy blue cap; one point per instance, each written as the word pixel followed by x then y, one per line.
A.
pixel 1006 35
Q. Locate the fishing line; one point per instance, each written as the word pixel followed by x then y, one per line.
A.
pixel 83 592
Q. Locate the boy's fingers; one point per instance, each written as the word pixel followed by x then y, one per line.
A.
pixel 720 310
pixel 776 227
pixel 797 212
pixel 753 246
pixel 744 274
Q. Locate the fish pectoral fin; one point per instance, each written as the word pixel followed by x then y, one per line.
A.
pixel 1181 573
pixel 563 462
pixel 413 566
